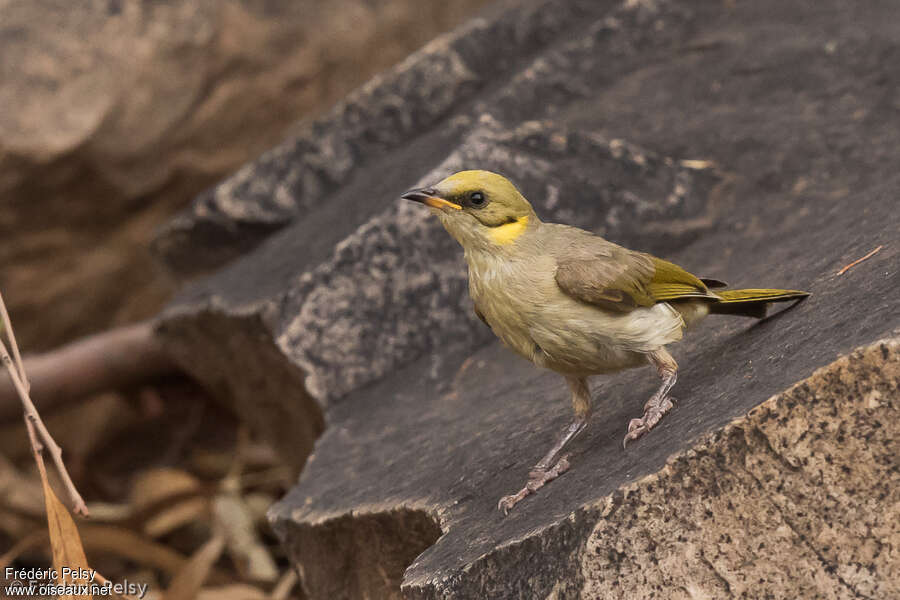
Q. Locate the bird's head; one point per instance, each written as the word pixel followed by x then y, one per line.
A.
pixel 480 209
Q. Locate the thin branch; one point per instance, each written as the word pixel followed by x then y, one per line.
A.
pixel 37 448
pixel 12 343
pixel 33 422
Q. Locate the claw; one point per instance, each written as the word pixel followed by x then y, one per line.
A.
pixel 507 503
pixel 659 403
pixel 653 414
pixel 635 430
pixel 536 480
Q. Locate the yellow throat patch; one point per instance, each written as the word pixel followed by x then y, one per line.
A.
pixel 509 232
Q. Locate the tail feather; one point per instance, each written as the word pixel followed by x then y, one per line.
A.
pixel 750 302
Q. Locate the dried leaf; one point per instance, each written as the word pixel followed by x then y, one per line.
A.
pixel 65 542
pixel 168 497
pixel 179 514
pixel 125 543
pixel 283 588
pixel 187 583
pixel 154 486
pixel 244 546
pixel 120 542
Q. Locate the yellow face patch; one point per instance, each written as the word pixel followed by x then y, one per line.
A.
pixel 509 232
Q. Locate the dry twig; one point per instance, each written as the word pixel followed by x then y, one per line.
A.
pixel 7 326
pixel 859 260
pixel 37 432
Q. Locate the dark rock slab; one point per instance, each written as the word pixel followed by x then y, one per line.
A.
pixel 359 307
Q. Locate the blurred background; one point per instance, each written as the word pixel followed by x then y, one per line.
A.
pixel 115 114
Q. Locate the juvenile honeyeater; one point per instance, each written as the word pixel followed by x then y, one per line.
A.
pixel 572 302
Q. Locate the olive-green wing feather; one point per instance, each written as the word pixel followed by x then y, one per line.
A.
pixel 601 273
pixel 671 282
pixel 618 279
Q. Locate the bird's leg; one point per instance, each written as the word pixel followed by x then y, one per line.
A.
pixel 543 473
pixel 660 402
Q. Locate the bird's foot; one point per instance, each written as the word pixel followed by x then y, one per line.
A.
pixel 654 411
pixel 537 479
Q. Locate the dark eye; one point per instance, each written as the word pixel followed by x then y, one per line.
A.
pixel 477 199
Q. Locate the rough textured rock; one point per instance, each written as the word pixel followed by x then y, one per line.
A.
pixel 602 113
pixel 798 499
pixel 117 112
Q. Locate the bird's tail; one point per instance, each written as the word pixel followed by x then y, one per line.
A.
pixel 751 303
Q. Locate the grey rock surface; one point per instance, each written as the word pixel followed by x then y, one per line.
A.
pixel 610 117
pixel 796 500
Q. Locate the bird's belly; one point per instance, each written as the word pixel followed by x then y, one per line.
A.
pixel 574 345
pixel 584 339
pixel 565 335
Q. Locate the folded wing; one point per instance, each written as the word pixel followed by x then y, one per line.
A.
pixel 615 278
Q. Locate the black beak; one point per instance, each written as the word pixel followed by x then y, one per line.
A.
pixel 419 194
pixel 429 197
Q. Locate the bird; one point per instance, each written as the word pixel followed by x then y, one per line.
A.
pixel 572 302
